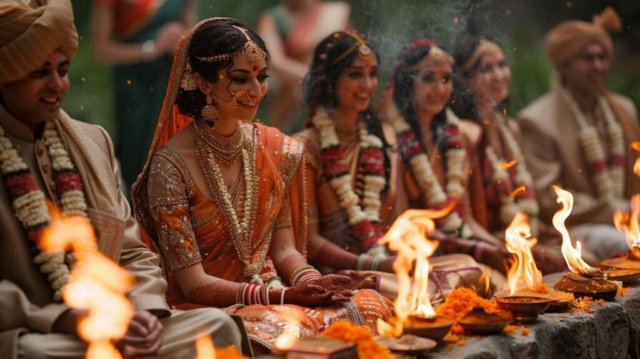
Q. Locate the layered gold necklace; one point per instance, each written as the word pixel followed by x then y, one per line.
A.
pixel 208 149
pixel 226 148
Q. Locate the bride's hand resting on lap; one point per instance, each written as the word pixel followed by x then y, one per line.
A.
pixel 326 290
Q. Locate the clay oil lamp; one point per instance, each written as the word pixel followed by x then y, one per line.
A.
pixel 523 277
pixel 523 274
pixel 627 267
pixel 480 322
pixel 413 311
pixel 582 280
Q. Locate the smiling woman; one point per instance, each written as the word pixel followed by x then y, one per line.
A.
pixel 500 183
pixel 223 200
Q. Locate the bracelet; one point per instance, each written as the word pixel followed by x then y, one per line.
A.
pixel 375 262
pixel 296 272
pixel 282 296
pixel 361 259
pixel 265 294
pixel 477 254
pixel 471 251
pixel 307 275
pixel 240 293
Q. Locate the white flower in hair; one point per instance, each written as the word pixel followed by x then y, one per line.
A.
pixel 188 82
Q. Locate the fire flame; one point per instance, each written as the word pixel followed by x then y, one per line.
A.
pixel 484 278
pixel 635 146
pixel 96 284
pixel 505 165
pixel 636 167
pixel 407 236
pixel 573 256
pixel 519 242
pixel 291 332
pixel 517 191
pixel 627 223
pixel 204 346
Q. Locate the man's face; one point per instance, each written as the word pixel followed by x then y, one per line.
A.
pixel 37 98
pixel 588 71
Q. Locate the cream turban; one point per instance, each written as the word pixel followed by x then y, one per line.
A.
pixel 567 40
pixel 28 35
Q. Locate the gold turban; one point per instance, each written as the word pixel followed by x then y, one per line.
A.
pixel 567 40
pixel 29 35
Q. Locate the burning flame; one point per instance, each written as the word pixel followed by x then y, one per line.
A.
pixel 635 146
pixel 573 256
pixel 627 223
pixel 484 278
pixel 204 346
pixel 291 332
pixel 517 191
pixel 636 167
pixel 407 236
pixel 96 284
pixel 505 165
pixel 519 242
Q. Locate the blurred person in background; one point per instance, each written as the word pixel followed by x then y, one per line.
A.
pixel 138 37
pixel 500 185
pixel 578 135
pixel 291 31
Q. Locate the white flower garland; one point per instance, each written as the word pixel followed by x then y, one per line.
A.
pixel 373 185
pixel 31 208
pixel 434 195
pixel 509 207
pixel 610 182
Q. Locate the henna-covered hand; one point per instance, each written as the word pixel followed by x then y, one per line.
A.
pixel 326 290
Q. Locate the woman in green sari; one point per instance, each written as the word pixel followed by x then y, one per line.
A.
pixel 138 37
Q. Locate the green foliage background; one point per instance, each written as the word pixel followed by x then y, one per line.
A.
pixel 389 24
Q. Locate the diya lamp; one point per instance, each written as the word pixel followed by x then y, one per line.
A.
pixel 582 280
pixel 413 311
pixel 525 308
pixel 627 267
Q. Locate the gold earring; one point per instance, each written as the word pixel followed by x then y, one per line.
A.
pixel 209 112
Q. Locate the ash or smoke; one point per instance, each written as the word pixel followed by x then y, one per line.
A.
pixel 393 24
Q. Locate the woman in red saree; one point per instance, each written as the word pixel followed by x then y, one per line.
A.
pixel 223 201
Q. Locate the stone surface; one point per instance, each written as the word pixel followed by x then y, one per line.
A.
pixel 611 332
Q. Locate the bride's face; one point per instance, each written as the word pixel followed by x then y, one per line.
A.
pixel 239 89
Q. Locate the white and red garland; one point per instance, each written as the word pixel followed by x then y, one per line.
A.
pixel 364 215
pixel 609 178
pixel 434 196
pixel 30 206
pixel 511 203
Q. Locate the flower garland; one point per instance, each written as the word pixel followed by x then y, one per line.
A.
pixel 526 201
pixel 30 206
pixel 609 178
pixel 365 220
pixel 434 196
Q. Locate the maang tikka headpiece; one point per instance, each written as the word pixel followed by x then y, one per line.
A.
pixel 364 51
pixel 435 54
pixel 251 50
